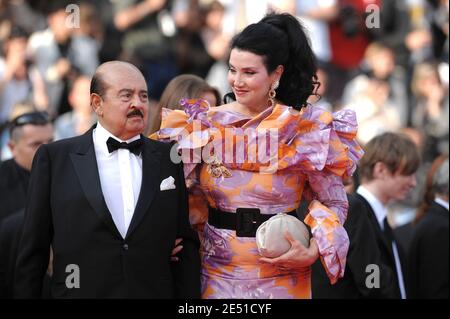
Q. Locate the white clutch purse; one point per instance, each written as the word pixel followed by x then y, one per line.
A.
pixel 270 235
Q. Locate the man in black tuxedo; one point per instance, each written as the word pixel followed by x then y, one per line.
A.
pixel 387 171
pixel 27 132
pixel 428 257
pixel 358 281
pixel 111 204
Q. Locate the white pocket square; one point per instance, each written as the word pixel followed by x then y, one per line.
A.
pixel 167 184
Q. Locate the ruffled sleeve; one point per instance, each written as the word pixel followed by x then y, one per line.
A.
pixel 190 128
pixel 334 135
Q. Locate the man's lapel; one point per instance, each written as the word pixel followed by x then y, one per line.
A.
pixel 151 162
pixel 373 220
pixel 85 164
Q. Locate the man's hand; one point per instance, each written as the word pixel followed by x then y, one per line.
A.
pixel 63 67
pixel 298 256
pixel 176 250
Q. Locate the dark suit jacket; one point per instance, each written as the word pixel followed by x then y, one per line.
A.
pixel 10 230
pixel 385 247
pixel 403 234
pixel 429 255
pixel 13 190
pixel 363 251
pixel 9 239
pixel 66 209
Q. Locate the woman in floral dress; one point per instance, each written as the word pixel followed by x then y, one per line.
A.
pixel 265 150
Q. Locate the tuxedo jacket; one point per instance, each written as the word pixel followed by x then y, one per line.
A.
pixel 385 246
pixel 9 238
pixel 363 251
pixel 67 211
pixel 12 189
pixel 10 230
pixel 428 258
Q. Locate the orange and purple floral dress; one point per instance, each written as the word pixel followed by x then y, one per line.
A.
pixel 313 151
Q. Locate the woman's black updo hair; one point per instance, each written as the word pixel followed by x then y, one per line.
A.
pixel 280 39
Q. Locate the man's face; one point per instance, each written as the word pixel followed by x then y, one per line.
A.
pixel 57 22
pixel 123 109
pixel 398 186
pixel 16 56
pixel 383 64
pixel 28 142
pixel 79 97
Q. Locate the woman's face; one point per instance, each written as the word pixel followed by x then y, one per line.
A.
pixel 248 78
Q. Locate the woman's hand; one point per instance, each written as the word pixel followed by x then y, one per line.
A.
pixel 297 256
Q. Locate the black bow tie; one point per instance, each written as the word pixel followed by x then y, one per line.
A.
pixel 134 147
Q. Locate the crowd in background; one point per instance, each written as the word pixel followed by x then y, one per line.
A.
pixel 391 69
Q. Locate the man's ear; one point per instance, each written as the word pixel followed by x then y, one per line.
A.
pixel 380 171
pixel 12 146
pixel 96 104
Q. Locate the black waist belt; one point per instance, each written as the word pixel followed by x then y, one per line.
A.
pixel 245 221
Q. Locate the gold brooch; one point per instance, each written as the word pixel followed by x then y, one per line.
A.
pixel 216 169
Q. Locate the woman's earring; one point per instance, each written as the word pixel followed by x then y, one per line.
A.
pixel 273 93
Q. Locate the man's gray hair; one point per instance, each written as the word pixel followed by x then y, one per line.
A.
pixel 440 179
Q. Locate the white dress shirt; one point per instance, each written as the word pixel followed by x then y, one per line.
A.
pixel 381 214
pixel 120 178
pixel 441 202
